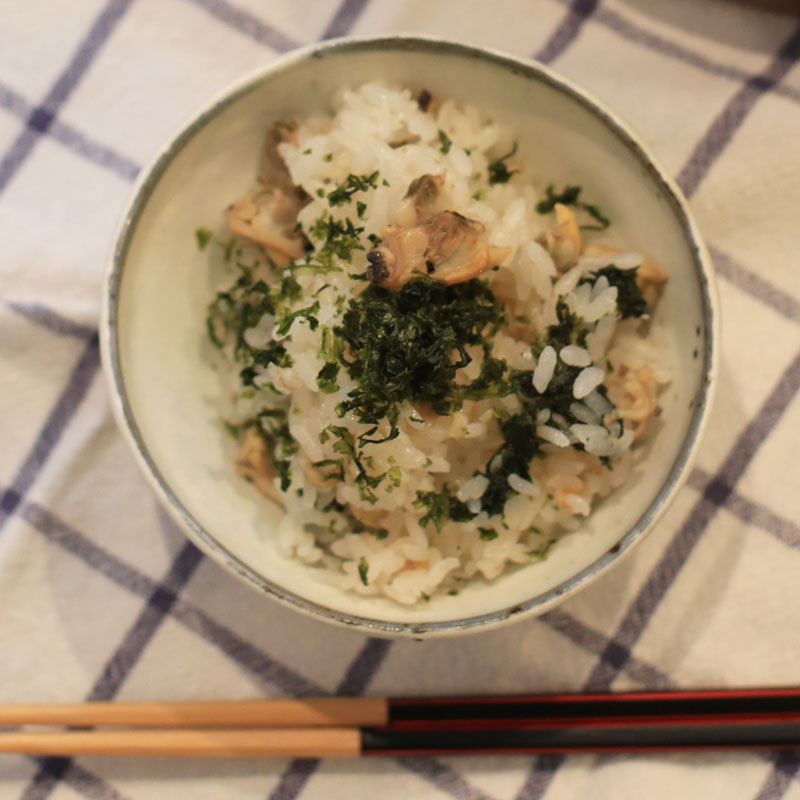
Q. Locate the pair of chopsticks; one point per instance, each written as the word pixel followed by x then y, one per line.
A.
pixel 335 727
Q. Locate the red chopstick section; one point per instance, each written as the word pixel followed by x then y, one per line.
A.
pixel 560 723
pixel 608 697
pixel 600 710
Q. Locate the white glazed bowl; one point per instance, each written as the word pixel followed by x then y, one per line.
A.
pixel 157 290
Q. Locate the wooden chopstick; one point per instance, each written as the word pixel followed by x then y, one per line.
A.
pixel 352 742
pixel 426 712
pixel 314 712
pixel 223 743
pixel 324 727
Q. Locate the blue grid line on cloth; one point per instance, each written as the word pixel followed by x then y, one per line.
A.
pixel 91 786
pixel 54 426
pixel 263 666
pixel 626 29
pixel 157 606
pixel 666 569
pixel 779 778
pixel 567 31
pixel 51 770
pixel 730 119
pixel 75 141
pixel 243 653
pixel 748 510
pixel 721 485
pixel 719 488
pixel 754 285
pixel 259 663
pixel 344 19
pixel 355 681
pixel 47 318
pixel 444 778
pixel 540 777
pixel 248 24
pixel 724 482
pixel 726 266
pixel 38 122
pixel 41 118
pixel 87 784
pixel 595 643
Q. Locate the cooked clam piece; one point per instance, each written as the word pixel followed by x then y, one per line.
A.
pixel 448 247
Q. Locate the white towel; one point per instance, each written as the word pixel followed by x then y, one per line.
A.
pixel 102 598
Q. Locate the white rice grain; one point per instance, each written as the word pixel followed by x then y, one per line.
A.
pixel 543 373
pixel 575 356
pixel 594 438
pixel 587 381
pixel 604 303
pixel 543 269
pixel 597 403
pixel 522 486
pixel 584 414
pixel 568 281
pixel 597 341
pixel 552 435
pixel 629 260
pixel 473 488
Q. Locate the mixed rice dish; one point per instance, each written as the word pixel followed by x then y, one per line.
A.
pixel 435 367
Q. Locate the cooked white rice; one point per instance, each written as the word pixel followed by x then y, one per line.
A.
pixel 373 538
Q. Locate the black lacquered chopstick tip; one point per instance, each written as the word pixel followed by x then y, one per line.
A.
pixel 388 741
pixel 699 704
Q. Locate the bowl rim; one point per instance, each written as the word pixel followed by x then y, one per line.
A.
pixel 121 407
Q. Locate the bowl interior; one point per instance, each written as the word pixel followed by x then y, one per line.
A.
pixel 160 287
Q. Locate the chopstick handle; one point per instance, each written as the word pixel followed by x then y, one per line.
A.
pixel 241 743
pixel 329 711
pixel 352 742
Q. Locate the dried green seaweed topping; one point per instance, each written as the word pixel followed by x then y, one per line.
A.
pixel 513 457
pixel 347 446
pixel 354 183
pixel 363 570
pixel 498 169
pixel 326 378
pixel 339 239
pixel 409 344
pixel 440 507
pixel 630 301
pixel 570 196
pixel 273 427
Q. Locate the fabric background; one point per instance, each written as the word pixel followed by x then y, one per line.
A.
pixel 102 598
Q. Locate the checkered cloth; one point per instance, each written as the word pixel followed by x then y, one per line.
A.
pixel 102 598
